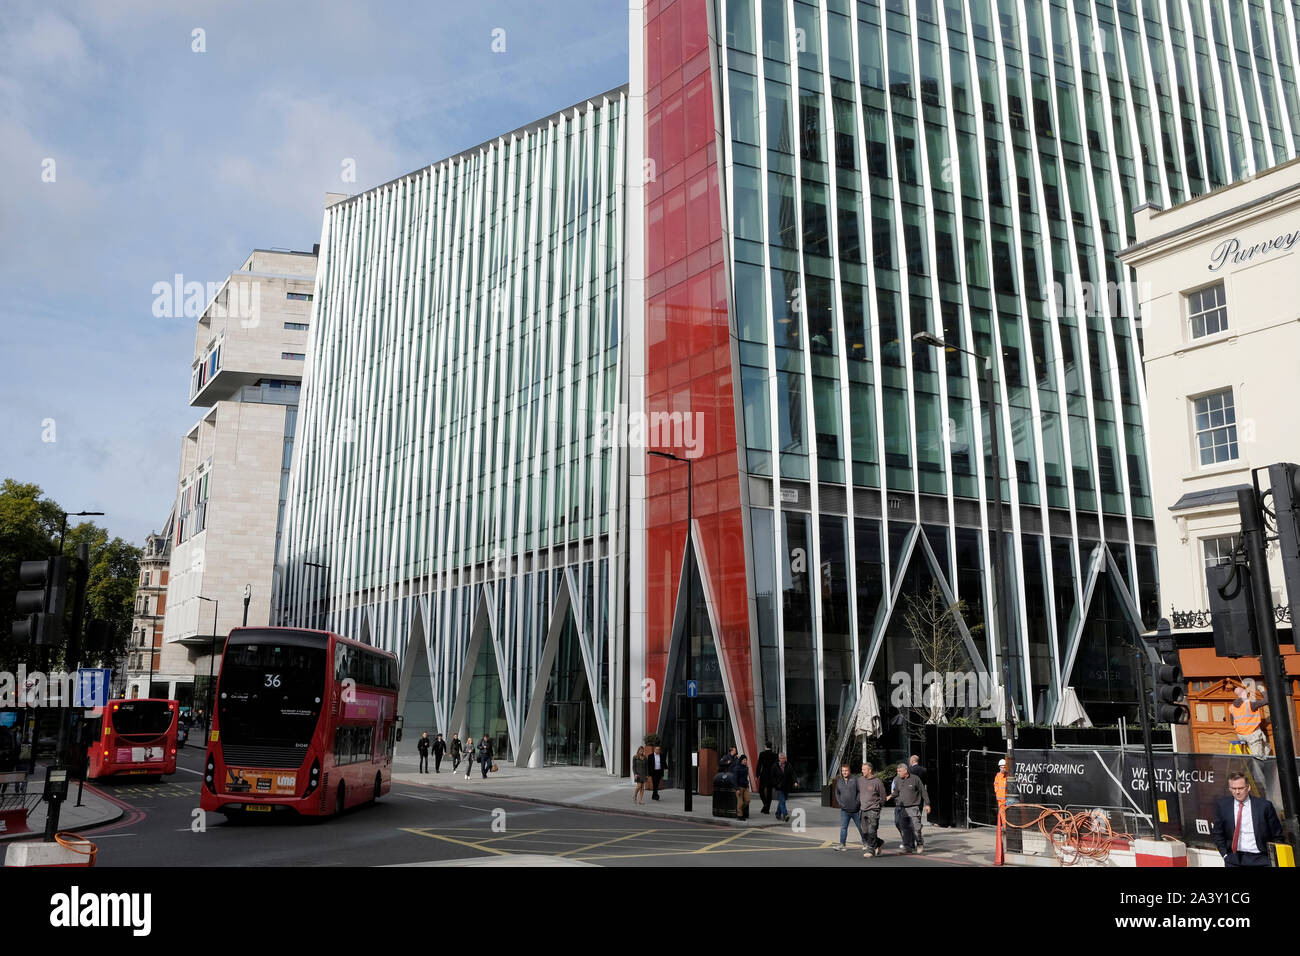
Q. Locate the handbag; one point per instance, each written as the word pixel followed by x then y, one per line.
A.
pixel 494 768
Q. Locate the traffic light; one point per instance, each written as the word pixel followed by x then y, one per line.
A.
pixel 99 635
pixel 1170 692
pixel 1285 479
pixel 1232 610
pixel 40 608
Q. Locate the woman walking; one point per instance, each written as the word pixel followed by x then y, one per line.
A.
pixel 469 755
pixel 638 772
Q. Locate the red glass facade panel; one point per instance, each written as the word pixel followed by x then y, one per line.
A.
pixel 688 353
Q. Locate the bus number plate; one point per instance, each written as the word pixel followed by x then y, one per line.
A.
pixel 257 807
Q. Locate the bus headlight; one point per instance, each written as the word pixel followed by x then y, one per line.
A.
pixel 209 775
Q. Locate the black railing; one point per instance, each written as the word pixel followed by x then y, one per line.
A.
pixel 1187 619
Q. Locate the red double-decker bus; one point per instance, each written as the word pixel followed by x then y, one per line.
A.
pixel 133 738
pixel 305 721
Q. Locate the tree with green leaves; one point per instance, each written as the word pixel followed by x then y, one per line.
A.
pixel 114 577
pixel 29 529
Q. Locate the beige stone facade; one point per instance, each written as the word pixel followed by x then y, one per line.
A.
pixel 249 355
pixel 1219 286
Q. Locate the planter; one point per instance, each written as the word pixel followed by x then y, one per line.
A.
pixel 707 771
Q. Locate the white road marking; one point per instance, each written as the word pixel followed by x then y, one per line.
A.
pixel 197 773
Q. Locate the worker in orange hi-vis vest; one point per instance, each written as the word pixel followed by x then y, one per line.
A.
pixel 1248 722
pixel 1000 785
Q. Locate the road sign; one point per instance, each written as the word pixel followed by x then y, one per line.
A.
pixel 92 686
pixel 692 688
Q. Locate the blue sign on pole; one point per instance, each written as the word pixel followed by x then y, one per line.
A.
pixel 92 686
pixel 692 688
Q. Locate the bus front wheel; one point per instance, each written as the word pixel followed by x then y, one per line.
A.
pixel 341 799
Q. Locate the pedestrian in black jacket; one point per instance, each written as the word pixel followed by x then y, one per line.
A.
pixel 439 748
pixel 727 763
pixel 766 761
pixel 655 765
pixel 456 751
pixel 485 755
pixel 914 769
pixel 423 747
pixel 783 782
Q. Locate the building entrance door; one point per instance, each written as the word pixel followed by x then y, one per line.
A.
pixel 567 734
pixel 711 724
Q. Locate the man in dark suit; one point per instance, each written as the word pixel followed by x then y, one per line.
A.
pixel 1244 825
pixel 655 765
pixel 916 770
pixel 766 761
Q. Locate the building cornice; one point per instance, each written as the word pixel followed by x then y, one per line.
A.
pixel 1141 252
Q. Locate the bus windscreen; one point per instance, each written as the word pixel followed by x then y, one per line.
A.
pixel 142 718
pixel 271 694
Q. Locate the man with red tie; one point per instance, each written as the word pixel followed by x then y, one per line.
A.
pixel 1244 825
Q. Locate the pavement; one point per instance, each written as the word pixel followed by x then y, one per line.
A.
pixel 96 809
pixel 593 789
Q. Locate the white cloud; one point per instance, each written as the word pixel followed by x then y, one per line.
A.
pixel 46 51
pixel 304 142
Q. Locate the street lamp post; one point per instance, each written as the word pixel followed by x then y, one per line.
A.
pixel 999 559
pixel 248 596
pixel 688 802
pixel 207 713
pixel 63 523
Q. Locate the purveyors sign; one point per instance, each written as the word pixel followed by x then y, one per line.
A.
pixel 1233 249
pixel 1117 780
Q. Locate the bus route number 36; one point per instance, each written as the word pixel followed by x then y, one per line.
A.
pixel 272 680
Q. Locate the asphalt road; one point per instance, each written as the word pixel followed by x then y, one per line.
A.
pixel 421 825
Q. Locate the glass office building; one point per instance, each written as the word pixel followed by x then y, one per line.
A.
pixel 729 259
pixel 964 168
pixel 448 499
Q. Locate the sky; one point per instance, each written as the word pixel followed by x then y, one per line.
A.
pixel 144 138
